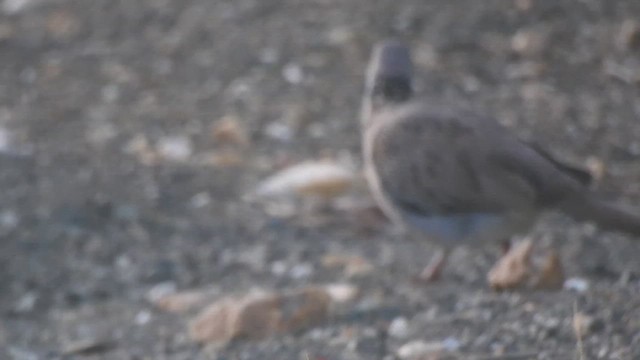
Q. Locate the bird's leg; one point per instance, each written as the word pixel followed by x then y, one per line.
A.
pixel 433 271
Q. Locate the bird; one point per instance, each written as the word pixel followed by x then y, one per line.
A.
pixel 458 177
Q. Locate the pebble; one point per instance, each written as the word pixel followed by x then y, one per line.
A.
pixel 340 35
pixel 451 344
pixel 528 42
pixel 279 268
pixel 161 290
pixel 419 349
pixel 279 131
pixel 142 318
pixel 576 284
pixel 200 200
pixel 9 219
pixel 27 302
pixel 176 147
pixel 293 73
pixel 261 315
pixel 301 271
pixel 399 328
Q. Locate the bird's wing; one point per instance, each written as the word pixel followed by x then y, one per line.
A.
pixel 444 163
pixel 581 175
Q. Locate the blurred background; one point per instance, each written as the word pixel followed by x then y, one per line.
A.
pixel 132 132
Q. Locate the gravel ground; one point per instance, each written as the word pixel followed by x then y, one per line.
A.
pixel 112 182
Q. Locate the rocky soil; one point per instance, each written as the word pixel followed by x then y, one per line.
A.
pixel 116 181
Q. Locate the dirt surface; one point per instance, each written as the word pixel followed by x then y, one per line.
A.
pixel 92 219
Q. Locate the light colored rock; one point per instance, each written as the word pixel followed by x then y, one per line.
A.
pixel 399 328
pixel 324 179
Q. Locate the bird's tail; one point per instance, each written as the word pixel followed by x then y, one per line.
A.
pixel 606 215
pixel 388 78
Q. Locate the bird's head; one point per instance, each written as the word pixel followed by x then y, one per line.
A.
pixel 388 80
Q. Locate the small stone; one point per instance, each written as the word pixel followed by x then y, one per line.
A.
pixel 279 131
pixel 279 268
pixel 341 293
pixel 451 344
pixel 419 349
pixel 27 302
pixel 301 271
pixel 528 42
pixel 261 315
pixel 161 290
pixel 175 148
pixel 603 352
pixel 323 179
pixel 142 318
pixel 179 302
pixel 576 284
pixel 229 130
pixel 9 220
pixel 399 328
pixel 293 73
pixel 200 200
pixel 352 265
pixel 123 262
pixel 215 324
pixel 340 35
